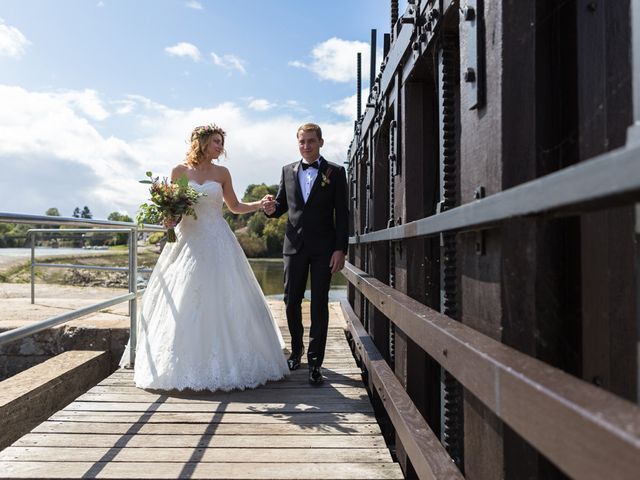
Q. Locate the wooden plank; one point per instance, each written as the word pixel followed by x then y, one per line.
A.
pixel 219 407
pixel 428 456
pixel 229 455
pixel 333 373
pixel 306 418
pixel 194 441
pixel 222 428
pixel 278 471
pixel 342 381
pixel 267 396
pixel 293 391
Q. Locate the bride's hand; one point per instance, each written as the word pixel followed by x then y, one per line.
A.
pixel 267 204
pixel 171 222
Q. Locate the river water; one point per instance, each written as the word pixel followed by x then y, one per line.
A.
pixel 268 272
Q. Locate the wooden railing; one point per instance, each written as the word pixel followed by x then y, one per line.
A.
pixel 584 430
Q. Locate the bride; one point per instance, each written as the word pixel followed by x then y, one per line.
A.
pixel 204 322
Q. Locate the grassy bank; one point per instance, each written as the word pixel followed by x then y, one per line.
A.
pixel 21 273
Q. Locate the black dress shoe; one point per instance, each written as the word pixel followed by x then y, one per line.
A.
pixel 294 360
pixel 315 376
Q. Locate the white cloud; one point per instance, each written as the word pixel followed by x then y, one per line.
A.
pixel 100 4
pixel 347 107
pixel 184 49
pixel 336 59
pixel 87 102
pixel 49 140
pixel 54 152
pixel 12 41
pixel 261 105
pixel 195 5
pixel 229 62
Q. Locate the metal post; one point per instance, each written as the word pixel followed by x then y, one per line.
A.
pixel 386 46
pixel 359 87
pixel 633 134
pixel 633 138
pixel 394 18
pixel 33 268
pixel 372 70
pixel 133 288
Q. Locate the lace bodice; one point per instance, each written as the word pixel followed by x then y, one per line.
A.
pixel 212 202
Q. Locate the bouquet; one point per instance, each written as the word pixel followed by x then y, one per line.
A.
pixel 169 201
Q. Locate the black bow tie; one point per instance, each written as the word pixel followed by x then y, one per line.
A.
pixel 315 165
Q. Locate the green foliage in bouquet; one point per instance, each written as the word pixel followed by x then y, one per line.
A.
pixel 168 203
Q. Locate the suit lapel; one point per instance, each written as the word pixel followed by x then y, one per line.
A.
pixel 321 172
pixel 296 183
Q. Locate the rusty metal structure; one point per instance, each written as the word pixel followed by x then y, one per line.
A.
pixel 494 263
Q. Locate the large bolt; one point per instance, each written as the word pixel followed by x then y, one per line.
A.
pixel 469 14
pixel 469 75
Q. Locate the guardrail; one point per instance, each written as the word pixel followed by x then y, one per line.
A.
pixel 600 431
pixel 112 227
pixel 31 236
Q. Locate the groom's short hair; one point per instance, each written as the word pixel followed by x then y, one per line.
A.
pixel 310 127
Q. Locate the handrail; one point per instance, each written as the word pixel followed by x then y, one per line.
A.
pixel 600 431
pixel 31 234
pixel 131 228
pixel 429 458
pixel 610 179
pixel 6 217
pixel 21 332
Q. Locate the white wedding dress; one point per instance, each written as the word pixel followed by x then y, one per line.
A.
pixel 204 322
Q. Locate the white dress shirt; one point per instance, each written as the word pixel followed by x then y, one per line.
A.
pixel 307 178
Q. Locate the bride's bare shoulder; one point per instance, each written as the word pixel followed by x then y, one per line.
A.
pixel 178 170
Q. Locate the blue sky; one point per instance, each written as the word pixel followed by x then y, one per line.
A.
pixel 94 93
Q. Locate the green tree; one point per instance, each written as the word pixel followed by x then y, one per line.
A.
pixel 256 224
pixel 49 239
pixel 273 233
pixel 257 234
pixel 5 240
pixel 119 238
pixel 76 212
pixel 119 217
pixel 86 213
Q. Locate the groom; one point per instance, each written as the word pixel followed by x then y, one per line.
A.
pixel 313 192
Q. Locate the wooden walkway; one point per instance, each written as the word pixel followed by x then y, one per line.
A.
pixel 283 430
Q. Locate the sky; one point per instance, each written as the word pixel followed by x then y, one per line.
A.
pixel 94 93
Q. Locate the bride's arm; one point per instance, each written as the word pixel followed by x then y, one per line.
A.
pixel 231 199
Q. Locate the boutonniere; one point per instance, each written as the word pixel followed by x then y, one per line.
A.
pixel 325 178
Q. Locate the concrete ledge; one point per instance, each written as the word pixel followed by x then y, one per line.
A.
pixel 32 396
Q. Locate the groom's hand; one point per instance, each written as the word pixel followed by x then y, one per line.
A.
pixel 268 204
pixel 337 261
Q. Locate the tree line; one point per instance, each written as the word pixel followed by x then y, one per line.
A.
pixel 258 235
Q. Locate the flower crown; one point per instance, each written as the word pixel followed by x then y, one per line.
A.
pixel 205 130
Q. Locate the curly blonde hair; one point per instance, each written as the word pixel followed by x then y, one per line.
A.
pixel 200 138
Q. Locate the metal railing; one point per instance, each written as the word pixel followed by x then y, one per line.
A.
pixel 112 227
pixel 608 180
pixel 31 239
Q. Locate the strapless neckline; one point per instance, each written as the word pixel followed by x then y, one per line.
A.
pixel 205 182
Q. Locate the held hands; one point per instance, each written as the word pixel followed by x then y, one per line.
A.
pixel 268 204
pixel 337 261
